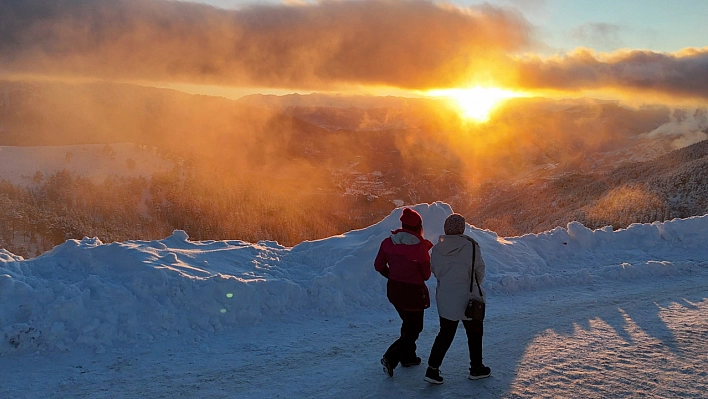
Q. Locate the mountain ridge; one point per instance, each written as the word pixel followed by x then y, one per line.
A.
pixel 306 172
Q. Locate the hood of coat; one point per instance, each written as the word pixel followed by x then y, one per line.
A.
pixel 451 245
pixel 404 237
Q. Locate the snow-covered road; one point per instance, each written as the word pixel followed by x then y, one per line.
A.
pixel 641 338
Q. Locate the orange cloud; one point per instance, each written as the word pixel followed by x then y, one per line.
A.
pixel 683 74
pixel 328 45
pixel 407 44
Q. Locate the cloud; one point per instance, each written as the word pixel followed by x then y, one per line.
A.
pixel 682 74
pixel 599 34
pixel 685 127
pixel 407 44
pixel 529 5
pixel 326 45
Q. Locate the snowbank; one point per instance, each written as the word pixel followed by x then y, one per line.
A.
pixel 95 294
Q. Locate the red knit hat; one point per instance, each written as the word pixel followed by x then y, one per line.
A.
pixel 411 218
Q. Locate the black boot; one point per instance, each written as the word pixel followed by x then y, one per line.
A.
pixel 433 376
pixel 410 362
pixel 387 366
pixel 479 372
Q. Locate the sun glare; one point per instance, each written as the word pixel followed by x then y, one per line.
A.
pixel 476 103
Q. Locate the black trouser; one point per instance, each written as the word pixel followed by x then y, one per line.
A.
pixel 403 350
pixel 474 330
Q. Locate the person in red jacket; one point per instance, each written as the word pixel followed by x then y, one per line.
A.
pixel 404 260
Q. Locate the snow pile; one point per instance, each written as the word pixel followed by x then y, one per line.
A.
pixel 94 294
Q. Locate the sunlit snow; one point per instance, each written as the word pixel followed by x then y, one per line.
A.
pixel 572 313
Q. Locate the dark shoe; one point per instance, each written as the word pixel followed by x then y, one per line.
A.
pixel 433 376
pixel 387 366
pixel 410 363
pixel 479 372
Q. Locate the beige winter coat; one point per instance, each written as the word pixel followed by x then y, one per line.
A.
pixel 451 263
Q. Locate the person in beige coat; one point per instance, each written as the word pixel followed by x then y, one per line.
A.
pixel 451 263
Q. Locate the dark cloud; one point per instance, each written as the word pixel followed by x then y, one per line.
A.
pixel 409 44
pixel 683 74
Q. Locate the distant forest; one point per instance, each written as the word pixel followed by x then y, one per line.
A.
pixel 63 206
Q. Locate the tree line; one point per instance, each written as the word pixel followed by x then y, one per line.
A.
pixel 64 206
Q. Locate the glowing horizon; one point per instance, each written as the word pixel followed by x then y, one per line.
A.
pixel 477 103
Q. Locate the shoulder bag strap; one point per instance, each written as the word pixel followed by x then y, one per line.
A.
pixel 474 251
pixel 473 260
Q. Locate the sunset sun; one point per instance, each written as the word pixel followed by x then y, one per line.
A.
pixel 476 103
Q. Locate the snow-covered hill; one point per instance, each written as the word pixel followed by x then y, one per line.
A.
pixel 666 187
pixel 311 320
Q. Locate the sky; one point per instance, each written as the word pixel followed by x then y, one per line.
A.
pixel 607 25
pixel 638 49
pixel 571 313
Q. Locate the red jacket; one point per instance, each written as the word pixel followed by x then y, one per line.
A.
pixel 403 258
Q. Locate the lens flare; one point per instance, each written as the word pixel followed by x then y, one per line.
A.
pixel 476 103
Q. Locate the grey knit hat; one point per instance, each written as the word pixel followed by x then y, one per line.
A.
pixel 455 224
